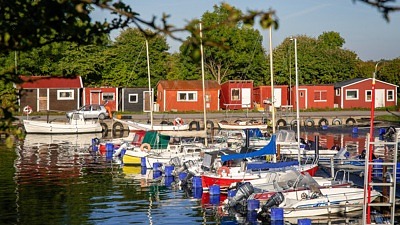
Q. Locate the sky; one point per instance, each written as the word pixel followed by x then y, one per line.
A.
pixel 363 28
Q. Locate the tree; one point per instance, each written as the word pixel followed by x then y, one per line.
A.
pixel 239 54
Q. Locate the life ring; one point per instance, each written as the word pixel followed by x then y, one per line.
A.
pixel 194 123
pixel 281 121
pixel 336 121
pixel 178 121
pixel 225 169
pixel 27 110
pixel 322 122
pixel 350 122
pixel 309 122
pixel 210 124
pixel 145 147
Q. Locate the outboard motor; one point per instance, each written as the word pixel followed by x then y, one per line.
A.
pixel 243 192
pixel 274 200
pixel 175 162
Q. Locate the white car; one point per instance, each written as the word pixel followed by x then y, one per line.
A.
pixel 93 111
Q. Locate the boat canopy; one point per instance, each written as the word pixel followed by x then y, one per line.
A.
pixel 269 149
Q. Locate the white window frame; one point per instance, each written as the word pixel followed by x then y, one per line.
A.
pixel 234 89
pixel 108 93
pixel 186 99
pixel 357 92
pixel 366 95
pixel 320 96
pixel 129 98
pixel 387 95
pixel 65 98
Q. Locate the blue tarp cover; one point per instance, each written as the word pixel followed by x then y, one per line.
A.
pixel 267 165
pixel 269 149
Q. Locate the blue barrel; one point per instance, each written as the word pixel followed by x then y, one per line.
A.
pixel 215 190
pixel 304 221
pixel 157 166
pixel 355 130
pixel 143 161
pixel 182 175
pixel 95 148
pixel 253 204
pixel 215 199
pixel 156 174
pixel 382 131
pixel 95 141
pixel 143 170
pixel 276 214
pixel 197 182
pixel 109 150
pixel 277 222
pixel 251 217
pixel 168 171
pixel 197 192
pixel 377 170
pixel 169 181
pixel 231 193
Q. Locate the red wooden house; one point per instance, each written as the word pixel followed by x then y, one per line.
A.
pixel 187 95
pixel 357 93
pixel 237 94
pixel 262 95
pixel 314 96
pixel 44 93
pixel 101 95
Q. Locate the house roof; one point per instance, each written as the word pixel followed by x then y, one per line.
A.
pixel 31 82
pixel 189 84
pixel 358 80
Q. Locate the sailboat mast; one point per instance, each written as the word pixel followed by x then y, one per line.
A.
pixel 272 80
pixel 203 84
pixel 148 77
pixel 297 99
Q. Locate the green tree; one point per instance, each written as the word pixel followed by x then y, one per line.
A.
pixel 239 54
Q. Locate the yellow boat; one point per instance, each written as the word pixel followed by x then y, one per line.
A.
pixel 133 157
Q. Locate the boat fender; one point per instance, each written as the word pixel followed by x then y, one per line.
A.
pixel 178 121
pixel 223 169
pixel 211 124
pixel 281 121
pixel 322 122
pixel 145 147
pixel 350 121
pixel 196 124
pixel 309 122
pixel 293 123
pixel 336 121
pixel 117 152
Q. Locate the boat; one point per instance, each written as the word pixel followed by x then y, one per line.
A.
pixel 76 125
pixel 242 125
pixel 135 126
pixel 225 175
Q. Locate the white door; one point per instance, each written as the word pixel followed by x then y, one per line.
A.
pixel 246 97
pixel 379 98
pixel 277 97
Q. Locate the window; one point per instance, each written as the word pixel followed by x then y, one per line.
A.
pixel 108 96
pixel 368 95
pixel 65 94
pixel 337 91
pixel 235 94
pixel 133 98
pixel 351 94
pixel 320 96
pixel 187 96
pixel 390 95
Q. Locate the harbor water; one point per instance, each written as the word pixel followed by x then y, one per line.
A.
pixel 56 180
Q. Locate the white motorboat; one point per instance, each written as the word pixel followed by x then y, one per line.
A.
pixel 134 126
pixel 242 125
pixel 76 125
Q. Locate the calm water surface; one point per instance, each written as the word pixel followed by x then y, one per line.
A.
pixel 53 179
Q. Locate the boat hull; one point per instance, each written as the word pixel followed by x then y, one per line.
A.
pixel 241 127
pixel 42 127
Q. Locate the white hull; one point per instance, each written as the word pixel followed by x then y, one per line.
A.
pixel 241 127
pixel 133 126
pixel 332 200
pixel 42 127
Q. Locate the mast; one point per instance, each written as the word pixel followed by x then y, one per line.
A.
pixel 272 80
pixel 150 92
pixel 297 99
pixel 203 84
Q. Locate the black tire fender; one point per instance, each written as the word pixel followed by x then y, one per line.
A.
pixel 350 121
pixel 309 122
pixel 336 121
pixel 322 122
pixel 281 121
